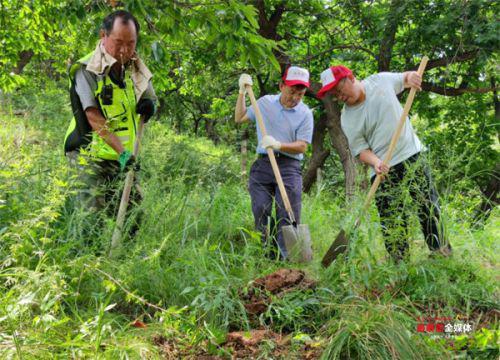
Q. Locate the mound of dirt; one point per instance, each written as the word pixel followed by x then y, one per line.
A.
pixel 248 345
pixel 240 345
pixel 253 343
pixel 282 281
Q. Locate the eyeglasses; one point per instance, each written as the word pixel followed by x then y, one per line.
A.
pixel 339 89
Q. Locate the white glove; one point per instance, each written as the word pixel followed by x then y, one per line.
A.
pixel 245 79
pixel 269 141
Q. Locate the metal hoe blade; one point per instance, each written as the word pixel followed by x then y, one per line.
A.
pixel 298 242
pixel 339 246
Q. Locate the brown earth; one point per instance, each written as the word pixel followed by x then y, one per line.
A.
pixel 250 344
pixel 242 345
pixel 280 282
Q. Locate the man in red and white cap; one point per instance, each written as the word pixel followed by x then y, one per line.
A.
pixel 369 118
pixel 289 125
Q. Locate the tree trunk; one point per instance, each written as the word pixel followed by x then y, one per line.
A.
pixel 196 125
pixel 394 16
pixel 24 58
pixel 340 144
pixel 319 154
pixel 210 130
pixel 268 25
pixel 490 192
pixel 490 200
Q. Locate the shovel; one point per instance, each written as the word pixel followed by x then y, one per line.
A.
pixel 341 242
pixel 122 210
pixel 297 237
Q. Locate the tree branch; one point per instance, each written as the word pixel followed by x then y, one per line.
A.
pixel 267 27
pixel 454 91
pixel 336 47
pixel 387 42
pixel 469 55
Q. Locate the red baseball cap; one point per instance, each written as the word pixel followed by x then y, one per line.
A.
pixel 295 75
pixel 331 77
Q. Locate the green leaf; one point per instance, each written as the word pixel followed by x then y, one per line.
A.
pixel 250 13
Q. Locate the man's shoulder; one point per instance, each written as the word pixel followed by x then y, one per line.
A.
pixel 82 72
pixel 383 77
pixel 373 79
pixel 269 98
pixel 304 108
pixel 80 64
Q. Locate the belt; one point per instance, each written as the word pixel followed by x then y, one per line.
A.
pixel 277 155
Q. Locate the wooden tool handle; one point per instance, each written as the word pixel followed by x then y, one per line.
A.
pixel 397 133
pixel 122 210
pixel 138 137
pixel 272 158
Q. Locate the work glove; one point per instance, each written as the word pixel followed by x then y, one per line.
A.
pixel 269 142
pixel 126 160
pixel 145 107
pixel 245 79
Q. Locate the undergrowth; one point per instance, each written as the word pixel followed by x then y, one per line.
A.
pixel 183 271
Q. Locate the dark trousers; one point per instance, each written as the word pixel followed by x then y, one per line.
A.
pixel 98 182
pixel 99 186
pixel 409 179
pixel 263 189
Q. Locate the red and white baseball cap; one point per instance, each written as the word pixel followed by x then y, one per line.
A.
pixel 295 75
pixel 331 77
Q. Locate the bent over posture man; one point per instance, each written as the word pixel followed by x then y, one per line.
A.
pixel 109 88
pixel 369 118
pixel 289 124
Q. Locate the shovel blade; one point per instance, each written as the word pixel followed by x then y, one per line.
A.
pixel 297 242
pixel 339 246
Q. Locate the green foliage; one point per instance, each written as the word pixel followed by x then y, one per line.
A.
pixel 294 312
pixel 372 331
pixel 184 270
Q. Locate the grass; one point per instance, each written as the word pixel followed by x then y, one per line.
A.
pixel 183 271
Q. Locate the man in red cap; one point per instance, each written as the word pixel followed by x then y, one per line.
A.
pixel 369 118
pixel 289 124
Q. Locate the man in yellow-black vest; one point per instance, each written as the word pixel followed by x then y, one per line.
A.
pixel 110 89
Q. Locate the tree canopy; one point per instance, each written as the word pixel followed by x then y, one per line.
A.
pixel 197 49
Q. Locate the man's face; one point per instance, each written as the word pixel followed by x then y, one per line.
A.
pixel 345 91
pixel 121 42
pixel 291 95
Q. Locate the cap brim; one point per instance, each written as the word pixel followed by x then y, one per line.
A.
pixel 296 82
pixel 322 92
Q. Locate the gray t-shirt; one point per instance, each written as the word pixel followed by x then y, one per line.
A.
pixel 285 125
pixel 371 124
pixel 86 85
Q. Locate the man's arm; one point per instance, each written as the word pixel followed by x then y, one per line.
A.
pixel 412 79
pixel 304 136
pixel 98 124
pixel 296 147
pixel 150 93
pixel 240 112
pixel 368 157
